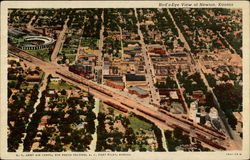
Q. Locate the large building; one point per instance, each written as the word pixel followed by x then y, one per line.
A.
pixel 138 91
pixel 135 80
pixel 84 70
pixel 114 81
pixel 36 42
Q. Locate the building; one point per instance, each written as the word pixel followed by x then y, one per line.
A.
pixel 115 84
pixel 193 110
pixel 50 93
pixel 135 80
pixel 138 91
pixel 33 77
pixel 16 59
pixel 55 80
pixel 114 81
pixel 113 77
pixel 85 70
pixel 198 95
pixel 28 45
pixel 105 70
pixel 173 95
pixel 213 114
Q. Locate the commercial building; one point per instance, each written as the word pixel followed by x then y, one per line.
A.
pixel 138 91
pixel 198 95
pixel 114 81
pixel 85 70
pixel 213 114
pixel 114 84
pixel 135 80
pixel 193 110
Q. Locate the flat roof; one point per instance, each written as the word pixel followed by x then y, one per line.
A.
pixel 139 90
pixel 134 77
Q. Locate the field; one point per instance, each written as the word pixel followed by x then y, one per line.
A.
pixel 41 53
pixel 71 58
pixel 86 42
pixel 138 124
pixel 62 85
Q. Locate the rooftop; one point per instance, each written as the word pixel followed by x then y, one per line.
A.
pixel 134 77
pixel 138 90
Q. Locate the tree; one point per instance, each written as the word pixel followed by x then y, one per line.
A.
pixel 63 92
pixel 177 133
pixel 168 134
pixel 232 121
pixel 185 139
pixel 211 80
pixel 9 92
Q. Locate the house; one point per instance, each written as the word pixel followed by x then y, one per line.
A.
pixel 55 80
pixel 33 77
pixel 198 95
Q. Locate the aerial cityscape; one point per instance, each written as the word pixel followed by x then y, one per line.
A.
pixel 125 79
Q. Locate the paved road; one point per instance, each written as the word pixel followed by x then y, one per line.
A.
pixel 122 50
pixel 29 24
pixel 181 90
pixel 92 145
pixel 150 77
pixel 230 46
pixel 41 89
pixel 164 141
pixel 59 41
pixel 78 49
pixel 100 61
pixel 179 32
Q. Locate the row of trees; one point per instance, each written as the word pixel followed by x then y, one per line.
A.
pixel 228 95
pixel 16 116
pixel 176 138
pixel 230 99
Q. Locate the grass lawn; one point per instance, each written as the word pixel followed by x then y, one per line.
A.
pixel 62 85
pixel 136 124
pixel 86 42
pixel 41 53
pixel 137 147
pixel 10 81
pixel 105 106
pixel 68 50
pixel 28 86
pixel 71 58
pixel 119 54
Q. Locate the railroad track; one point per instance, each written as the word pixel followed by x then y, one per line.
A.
pixel 166 118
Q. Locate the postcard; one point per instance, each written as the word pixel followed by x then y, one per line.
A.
pixel 124 80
